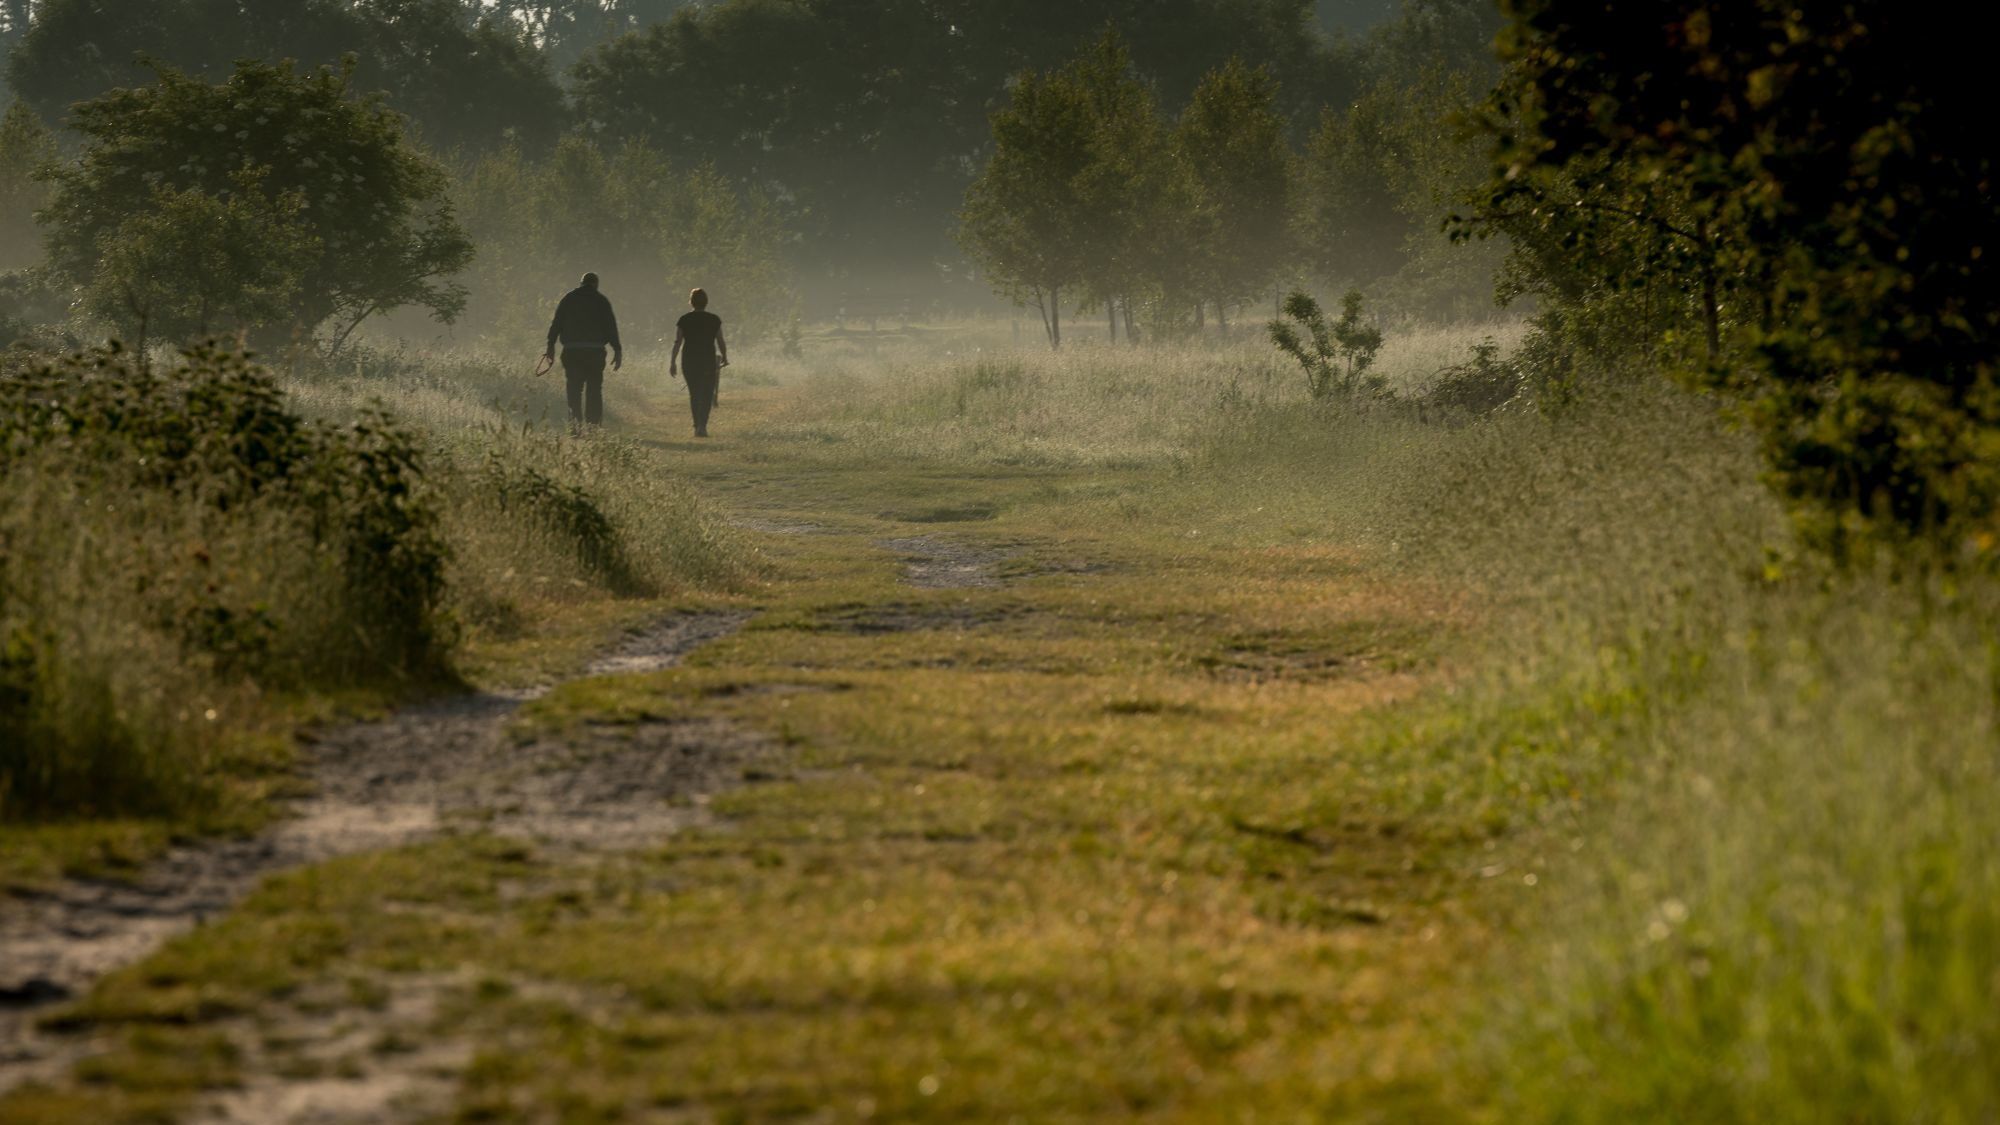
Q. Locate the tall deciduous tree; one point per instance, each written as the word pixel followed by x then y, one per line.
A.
pixel 26 148
pixel 1026 218
pixel 1230 142
pixel 192 264
pixel 870 119
pixel 1823 175
pixel 466 78
pixel 375 208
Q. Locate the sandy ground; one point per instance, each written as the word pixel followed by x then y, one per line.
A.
pixel 443 767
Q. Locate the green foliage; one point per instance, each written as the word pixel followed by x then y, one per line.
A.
pixel 26 149
pixel 652 230
pixel 1476 386
pixel 1336 357
pixel 1088 190
pixel 1811 187
pixel 194 264
pixel 568 510
pixel 1032 219
pixel 870 120
pixel 374 207
pixel 464 77
pixel 1382 169
pixel 189 521
pixel 1230 145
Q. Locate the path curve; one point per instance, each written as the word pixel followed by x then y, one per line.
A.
pixel 376 785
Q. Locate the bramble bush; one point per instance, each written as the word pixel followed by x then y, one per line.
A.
pixel 169 534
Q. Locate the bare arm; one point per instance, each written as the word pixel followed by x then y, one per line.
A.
pixel 674 360
pixel 722 345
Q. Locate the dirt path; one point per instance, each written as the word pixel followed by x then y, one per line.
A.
pixel 431 769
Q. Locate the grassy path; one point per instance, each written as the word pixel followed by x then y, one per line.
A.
pixel 1072 819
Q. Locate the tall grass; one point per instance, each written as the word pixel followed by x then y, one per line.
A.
pixel 180 544
pixel 1745 804
pixel 536 515
pixel 166 533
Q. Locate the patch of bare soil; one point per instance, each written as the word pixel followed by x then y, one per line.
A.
pixel 941 564
pixel 444 766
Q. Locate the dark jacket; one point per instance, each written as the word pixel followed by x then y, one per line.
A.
pixel 584 320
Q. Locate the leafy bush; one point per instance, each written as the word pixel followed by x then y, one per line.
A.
pixel 1335 357
pixel 167 533
pixel 1479 385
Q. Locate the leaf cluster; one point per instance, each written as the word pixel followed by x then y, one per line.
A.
pixel 1335 357
pixel 358 220
pixel 1804 190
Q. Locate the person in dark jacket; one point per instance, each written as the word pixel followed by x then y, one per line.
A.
pixel 586 327
pixel 697 341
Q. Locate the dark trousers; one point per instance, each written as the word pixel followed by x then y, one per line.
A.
pixel 702 380
pixel 585 370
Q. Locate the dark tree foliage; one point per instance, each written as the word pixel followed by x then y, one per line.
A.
pixel 871 119
pixel 373 207
pixel 1819 177
pixel 566 29
pixel 465 79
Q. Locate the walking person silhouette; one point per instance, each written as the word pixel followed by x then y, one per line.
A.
pixel 586 326
pixel 697 343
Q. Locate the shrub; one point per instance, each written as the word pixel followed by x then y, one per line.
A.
pixel 165 534
pixel 1335 357
pixel 1480 385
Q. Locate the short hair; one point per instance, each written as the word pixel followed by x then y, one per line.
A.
pixel 590 281
pixel 698 298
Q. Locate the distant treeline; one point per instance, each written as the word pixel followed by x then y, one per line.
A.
pixel 860 125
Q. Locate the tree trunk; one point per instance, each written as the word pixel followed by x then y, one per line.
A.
pixel 1055 320
pixel 1131 329
pixel 1111 317
pixel 1042 307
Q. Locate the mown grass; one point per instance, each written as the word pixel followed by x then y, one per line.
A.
pixel 1314 764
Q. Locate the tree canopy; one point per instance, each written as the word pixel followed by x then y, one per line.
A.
pixel 1806 192
pixel 870 120
pixel 466 78
pixel 373 209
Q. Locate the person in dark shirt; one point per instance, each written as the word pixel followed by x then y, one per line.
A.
pixel 586 327
pixel 698 341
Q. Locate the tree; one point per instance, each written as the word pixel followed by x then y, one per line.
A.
pixel 193 264
pixel 1122 187
pixel 466 79
pixel 566 29
pixel 870 120
pixel 26 149
pixel 1350 220
pixel 382 231
pixel 1822 175
pixel 1026 218
pixel 1230 143
pixel 652 230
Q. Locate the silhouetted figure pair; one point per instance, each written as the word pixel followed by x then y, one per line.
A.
pixel 586 328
